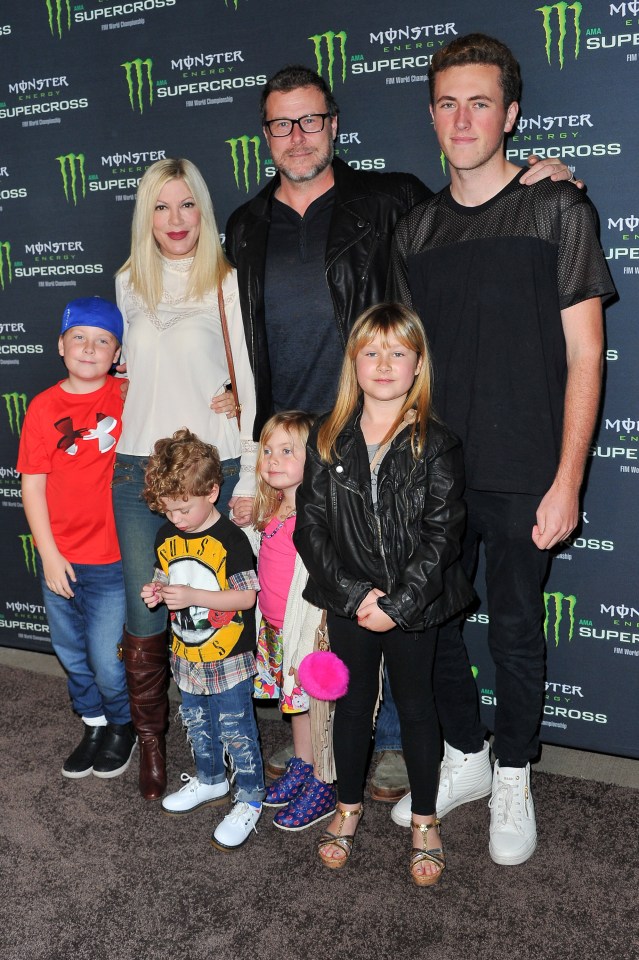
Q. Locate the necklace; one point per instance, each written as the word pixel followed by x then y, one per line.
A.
pixel 267 536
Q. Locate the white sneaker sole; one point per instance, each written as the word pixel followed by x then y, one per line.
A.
pixel 306 825
pixel 214 802
pixel 514 859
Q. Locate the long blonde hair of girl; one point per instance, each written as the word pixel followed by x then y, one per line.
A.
pixel 267 499
pixel 210 266
pixel 389 321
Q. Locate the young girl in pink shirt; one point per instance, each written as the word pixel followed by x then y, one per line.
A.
pixel 288 623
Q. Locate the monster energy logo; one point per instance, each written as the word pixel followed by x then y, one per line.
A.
pixel 241 156
pixel 28 552
pixel 331 41
pixel 5 263
pixel 136 72
pixel 55 9
pixel 562 19
pixel 72 172
pixel 556 604
pixel 16 406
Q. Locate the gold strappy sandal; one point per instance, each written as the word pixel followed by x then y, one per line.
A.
pixel 329 839
pixel 436 856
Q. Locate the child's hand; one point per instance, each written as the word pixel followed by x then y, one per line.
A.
pixel 177 596
pixel 57 573
pixel 371 597
pixel 372 617
pixel 151 593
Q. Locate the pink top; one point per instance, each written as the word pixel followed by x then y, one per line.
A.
pixel 275 569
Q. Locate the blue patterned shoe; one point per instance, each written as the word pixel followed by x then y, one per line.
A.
pixel 287 787
pixel 315 802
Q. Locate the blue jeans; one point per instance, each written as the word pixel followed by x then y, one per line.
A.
pixel 137 529
pixel 387 732
pixel 222 724
pixel 85 632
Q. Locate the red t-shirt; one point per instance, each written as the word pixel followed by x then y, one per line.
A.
pixel 72 438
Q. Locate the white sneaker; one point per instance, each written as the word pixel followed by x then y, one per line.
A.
pixel 235 829
pixel 463 777
pixel 513 831
pixel 194 795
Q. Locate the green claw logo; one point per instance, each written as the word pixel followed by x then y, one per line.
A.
pixel 73 176
pixel 562 26
pixel 137 71
pixel 16 407
pixel 555 605
pixel 6 267
pixel 333 42
pixel 28 552
pixel 56 10
pixel 241 157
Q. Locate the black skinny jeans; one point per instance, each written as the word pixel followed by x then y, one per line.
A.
pixel 409 659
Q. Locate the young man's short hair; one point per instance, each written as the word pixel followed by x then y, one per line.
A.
pixel 477 48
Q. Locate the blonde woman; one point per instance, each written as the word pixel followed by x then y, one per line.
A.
pixel 175 360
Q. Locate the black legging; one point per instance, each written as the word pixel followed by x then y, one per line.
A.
pixel 409 659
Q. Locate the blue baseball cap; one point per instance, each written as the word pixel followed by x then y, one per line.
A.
pixel 93 312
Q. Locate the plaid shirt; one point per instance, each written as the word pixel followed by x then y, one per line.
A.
pixel 211 678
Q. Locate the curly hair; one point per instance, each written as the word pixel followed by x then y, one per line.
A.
pixel 297 424
pixel 180 467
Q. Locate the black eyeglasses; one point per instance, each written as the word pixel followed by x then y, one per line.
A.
pixel 283 127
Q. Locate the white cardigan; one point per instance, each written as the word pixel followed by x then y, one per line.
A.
pixel 176 363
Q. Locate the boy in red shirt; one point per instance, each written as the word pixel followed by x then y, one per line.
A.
pixel 66 458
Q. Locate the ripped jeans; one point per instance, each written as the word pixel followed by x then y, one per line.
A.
pixel 222 733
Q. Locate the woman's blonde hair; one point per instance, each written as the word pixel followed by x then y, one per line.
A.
pixel 387 320
pixel 297 424
pixel 210 266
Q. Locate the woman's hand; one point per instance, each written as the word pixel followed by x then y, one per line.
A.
pixel 224 403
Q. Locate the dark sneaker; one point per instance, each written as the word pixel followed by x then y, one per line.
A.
pixel 80 762
pixel 287 787
pixel 315 802
pixel 115 753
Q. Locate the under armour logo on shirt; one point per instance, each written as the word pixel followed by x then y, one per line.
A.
pixel 102 433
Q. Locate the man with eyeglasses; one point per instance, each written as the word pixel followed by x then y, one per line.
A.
pixel 312 252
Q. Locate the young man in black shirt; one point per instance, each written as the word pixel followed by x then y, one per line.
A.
pixel 508 282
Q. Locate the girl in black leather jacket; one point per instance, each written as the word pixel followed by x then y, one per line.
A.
pixel 380 518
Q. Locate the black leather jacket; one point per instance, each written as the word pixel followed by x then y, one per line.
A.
pixel 408 548
pixel 367 207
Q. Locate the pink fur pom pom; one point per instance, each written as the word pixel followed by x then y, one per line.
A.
pixel 323 675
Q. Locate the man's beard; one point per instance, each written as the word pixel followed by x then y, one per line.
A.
pixel 323 161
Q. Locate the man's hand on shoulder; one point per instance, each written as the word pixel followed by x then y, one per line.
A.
pixel 542 167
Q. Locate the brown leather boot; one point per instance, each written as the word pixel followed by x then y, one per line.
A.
pixel 146 660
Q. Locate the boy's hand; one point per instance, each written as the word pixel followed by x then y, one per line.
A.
pixel 151 593
pixel 177 596
pixel 57 573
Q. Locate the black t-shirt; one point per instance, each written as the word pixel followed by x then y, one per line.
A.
pixel 489 284
pixel 304 346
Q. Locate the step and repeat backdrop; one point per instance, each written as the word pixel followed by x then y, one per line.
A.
pixel 92 93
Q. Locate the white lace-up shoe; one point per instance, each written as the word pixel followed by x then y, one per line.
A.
pixel 463 777
pixel 194 795
pixel 236 827
pixel 513 831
